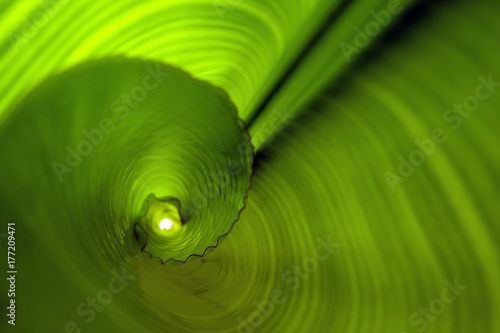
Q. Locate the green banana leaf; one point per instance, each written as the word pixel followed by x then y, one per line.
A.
pixel 250 166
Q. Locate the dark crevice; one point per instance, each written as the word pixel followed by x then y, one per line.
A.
pixel 307 48
pixel 389 38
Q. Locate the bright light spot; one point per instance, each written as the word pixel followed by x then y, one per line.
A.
pixel 166 224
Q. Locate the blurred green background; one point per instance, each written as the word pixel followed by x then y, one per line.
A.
pixel 331 166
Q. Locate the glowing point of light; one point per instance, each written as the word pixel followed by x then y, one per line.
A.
pixel 166 224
